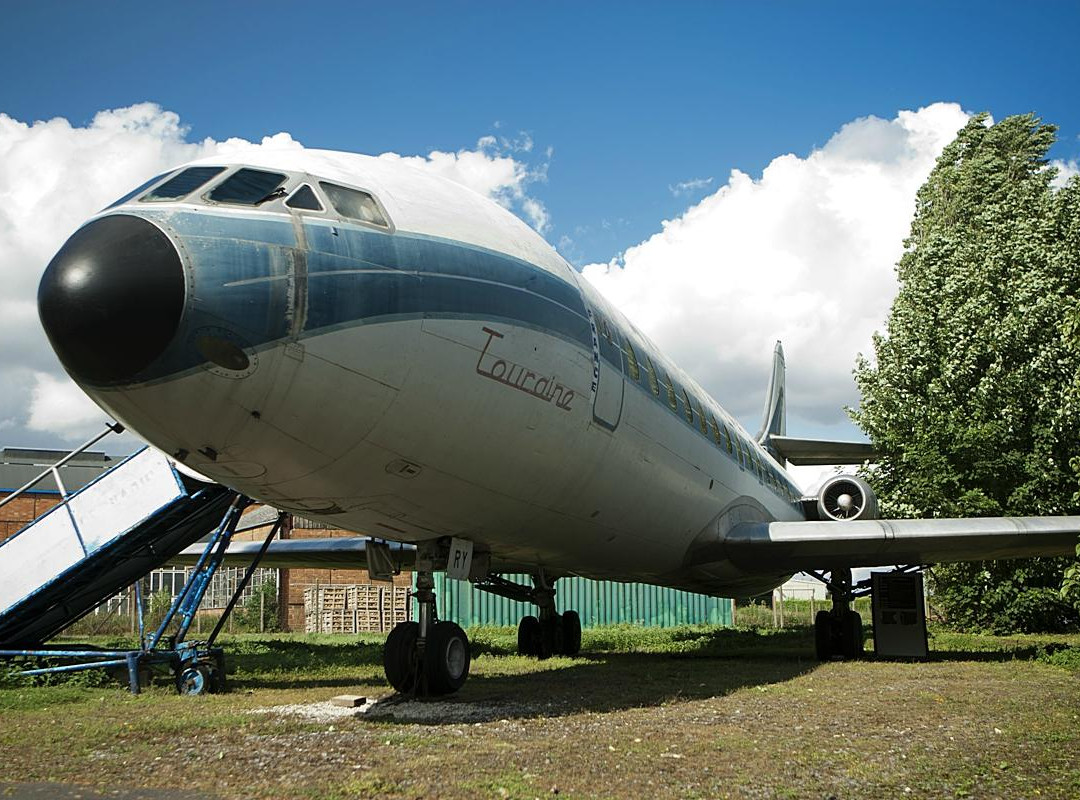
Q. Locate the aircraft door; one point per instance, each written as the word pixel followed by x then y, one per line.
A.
pixel 608 400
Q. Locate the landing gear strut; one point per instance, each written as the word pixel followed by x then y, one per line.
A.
pixel 838 632
pixel 428 657
pixel 548 633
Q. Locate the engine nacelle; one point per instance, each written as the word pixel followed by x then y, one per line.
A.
pixel 846 497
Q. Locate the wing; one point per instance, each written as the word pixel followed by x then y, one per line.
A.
pixel 339 552
pixel 797 546
pixel 819 452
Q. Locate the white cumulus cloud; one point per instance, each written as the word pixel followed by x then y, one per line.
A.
pixel 492 170
pixel 58 406
pixel 805 253
pixel 53 175
pixel 1066 170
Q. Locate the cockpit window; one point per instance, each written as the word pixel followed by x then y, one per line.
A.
pixel 304 198
pixel 137 191
pixel 354 204
pixel 248 187
pixel 184 183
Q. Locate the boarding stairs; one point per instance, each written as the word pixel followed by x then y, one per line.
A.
pixel 97 541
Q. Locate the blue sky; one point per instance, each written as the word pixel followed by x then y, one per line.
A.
pixel 632 98
pixel 622 103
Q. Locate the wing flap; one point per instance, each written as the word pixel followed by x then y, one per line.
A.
pixel 798 546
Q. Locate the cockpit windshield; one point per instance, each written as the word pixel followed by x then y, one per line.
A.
pixel 137 191
pixel 248 187
pixel 183 184
pixel 304 199
pixel 354 204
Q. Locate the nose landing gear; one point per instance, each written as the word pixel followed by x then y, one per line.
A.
pixel 429 657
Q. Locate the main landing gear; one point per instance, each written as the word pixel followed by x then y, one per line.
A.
pixel 839 631
pixel 547 634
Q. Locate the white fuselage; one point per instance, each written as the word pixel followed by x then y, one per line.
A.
pixel 446 374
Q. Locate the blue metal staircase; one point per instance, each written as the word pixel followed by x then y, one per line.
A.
pixel 97 541
pixel 130 520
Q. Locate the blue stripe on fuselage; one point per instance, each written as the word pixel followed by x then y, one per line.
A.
pixel 243 269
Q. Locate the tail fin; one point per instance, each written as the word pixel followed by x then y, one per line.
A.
pixel 774 422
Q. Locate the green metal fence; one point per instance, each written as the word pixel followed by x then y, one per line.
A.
pixel 598 603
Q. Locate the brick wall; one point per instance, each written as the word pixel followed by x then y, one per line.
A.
pixel 23 509
pixel 295 581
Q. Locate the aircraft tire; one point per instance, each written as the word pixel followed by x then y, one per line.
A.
pixel 551 637
pixel 823 644
pixel 571 633
pixel 446 658
pixel 399 656
pixel 528 640
pixel 852 635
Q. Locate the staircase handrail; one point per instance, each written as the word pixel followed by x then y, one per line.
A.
pixel 54 469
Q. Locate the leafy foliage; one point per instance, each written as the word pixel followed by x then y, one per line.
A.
pixel 973 398
pixel 260 610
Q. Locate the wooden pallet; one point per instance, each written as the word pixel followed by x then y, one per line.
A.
pixel 355 609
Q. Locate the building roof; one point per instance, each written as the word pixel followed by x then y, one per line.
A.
pixel 19 465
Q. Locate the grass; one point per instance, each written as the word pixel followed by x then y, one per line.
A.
pixel 683 712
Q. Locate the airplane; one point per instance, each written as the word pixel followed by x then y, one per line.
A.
pixel 386 351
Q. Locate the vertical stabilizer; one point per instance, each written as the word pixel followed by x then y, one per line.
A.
pixel 774 420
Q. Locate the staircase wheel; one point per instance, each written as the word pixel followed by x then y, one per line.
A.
pixel 193 680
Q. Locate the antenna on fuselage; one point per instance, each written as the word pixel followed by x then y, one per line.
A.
pixel 774 420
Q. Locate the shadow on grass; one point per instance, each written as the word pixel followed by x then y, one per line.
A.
pixel 597 683
pixel 693 664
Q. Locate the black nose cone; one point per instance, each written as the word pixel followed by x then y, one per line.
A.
pixel 111 299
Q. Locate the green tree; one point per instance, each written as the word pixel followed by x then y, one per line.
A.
pixel 972 397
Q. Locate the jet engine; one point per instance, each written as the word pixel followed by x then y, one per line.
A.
pixel 846 497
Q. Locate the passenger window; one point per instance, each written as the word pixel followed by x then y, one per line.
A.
pixel 689 411
pixel 728 437
pixel 672 401
pixel 701 419
pixel 714 431
pixel 183 184
pixel 304 198
pixel 653 384
pixel 632 362
pixel 248 187
pixel 354 204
